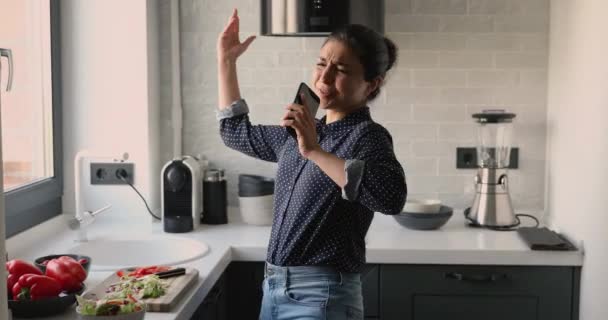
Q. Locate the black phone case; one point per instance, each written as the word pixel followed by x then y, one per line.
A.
pixel 303 88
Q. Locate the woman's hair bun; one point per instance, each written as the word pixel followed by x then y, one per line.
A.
pixel 392 52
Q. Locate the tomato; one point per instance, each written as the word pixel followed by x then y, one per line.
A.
pixel 144 271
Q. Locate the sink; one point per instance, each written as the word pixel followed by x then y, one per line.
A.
pixel 111 255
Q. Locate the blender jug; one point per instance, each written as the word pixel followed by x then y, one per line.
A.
pixel 492 205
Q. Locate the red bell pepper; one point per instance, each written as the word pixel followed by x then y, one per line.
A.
pixel 15 269
pixel 19 267
pixel 35 287
pixel 67 271
pixel 11 280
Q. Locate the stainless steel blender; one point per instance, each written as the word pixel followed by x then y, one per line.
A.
pixel 492 205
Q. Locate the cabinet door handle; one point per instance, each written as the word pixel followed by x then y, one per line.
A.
pixel 493 277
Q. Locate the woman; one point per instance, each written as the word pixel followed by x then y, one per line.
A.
pixel 330 181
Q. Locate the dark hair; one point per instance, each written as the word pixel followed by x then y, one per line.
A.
pixel 376 53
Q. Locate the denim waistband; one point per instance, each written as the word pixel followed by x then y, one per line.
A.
pixel 296 271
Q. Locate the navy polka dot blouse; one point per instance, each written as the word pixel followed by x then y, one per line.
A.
pixel 315 221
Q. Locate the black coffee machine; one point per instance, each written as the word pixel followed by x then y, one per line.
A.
pixel 181 194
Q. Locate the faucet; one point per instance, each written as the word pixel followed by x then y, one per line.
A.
pixel 82 217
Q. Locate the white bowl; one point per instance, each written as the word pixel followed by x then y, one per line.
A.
pixel 257 210
pixel 422 206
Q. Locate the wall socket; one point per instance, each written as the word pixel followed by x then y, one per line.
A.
pixel 106 172
pixel 466 158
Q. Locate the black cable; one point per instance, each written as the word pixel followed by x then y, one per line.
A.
pixel 121 176
pixel 529 216
pixel 505 228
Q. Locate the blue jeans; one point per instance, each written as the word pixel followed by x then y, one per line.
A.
pixel 312 293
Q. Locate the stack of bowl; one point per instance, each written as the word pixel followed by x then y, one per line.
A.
pixel 256 196
pixel 424 215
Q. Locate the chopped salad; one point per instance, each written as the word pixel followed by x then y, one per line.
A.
pixel 150 286
pixel 125 295
pixel 108 307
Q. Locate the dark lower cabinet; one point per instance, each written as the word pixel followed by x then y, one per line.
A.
pixel 215 305
pixel 422 292
pixel 244 284
pixel 432 292
pixel 370 286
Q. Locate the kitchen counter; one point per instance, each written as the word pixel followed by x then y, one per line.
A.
pixel 387 242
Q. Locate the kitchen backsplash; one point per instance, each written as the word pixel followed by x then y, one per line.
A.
pixel 456 57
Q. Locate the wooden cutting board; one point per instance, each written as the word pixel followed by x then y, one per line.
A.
pixel 177 287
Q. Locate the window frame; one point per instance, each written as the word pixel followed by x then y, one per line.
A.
pixel 37 202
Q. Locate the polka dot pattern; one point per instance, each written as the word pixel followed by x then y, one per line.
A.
pixel 313 224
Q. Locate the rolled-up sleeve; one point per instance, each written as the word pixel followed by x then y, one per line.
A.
pixel 374 177
pixel 259 141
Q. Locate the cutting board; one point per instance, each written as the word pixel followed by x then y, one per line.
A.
pixel 177 287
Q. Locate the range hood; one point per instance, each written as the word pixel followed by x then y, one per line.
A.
pixel 316 18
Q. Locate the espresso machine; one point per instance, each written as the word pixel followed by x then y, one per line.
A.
pixel 492 205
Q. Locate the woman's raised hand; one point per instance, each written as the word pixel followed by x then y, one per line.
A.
pixel 229 47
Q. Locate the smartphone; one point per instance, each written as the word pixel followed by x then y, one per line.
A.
pixel 312 102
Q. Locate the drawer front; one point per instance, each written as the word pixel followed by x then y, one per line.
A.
pixel 474 307
pixel 475 292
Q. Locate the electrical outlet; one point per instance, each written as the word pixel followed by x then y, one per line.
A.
pixel 466 158
pixel 107 172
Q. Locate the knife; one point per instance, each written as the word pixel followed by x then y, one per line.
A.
pixel 171 273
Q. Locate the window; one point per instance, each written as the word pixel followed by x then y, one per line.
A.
pixel 31 113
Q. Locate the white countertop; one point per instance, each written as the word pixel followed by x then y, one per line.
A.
pixel 387 242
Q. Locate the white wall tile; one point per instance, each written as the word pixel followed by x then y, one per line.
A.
pixel 521 60
pixel 439 78
pixel 411 23
pixel 313 43
pixel 418 59
pixel 460 132
pixel 436 184
pixel 398 112
pixel 521 95
pixel 418 166
pixel 412 95
pixel 410 131
pixel 277 44
pixel 456 57
pixel 467 95
pixel 534 42
pixel 493 42
pixel 440 113
pixel 306 59
pixel 521 23
pixel 256 59
pixel 491 78
pixel 440 6
pixel 533 78
pixel 472 24
pixel 437 41
pixel 489 7
pixel 399 78
pixel 465 60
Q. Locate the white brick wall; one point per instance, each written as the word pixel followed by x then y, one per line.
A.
pixel 456 57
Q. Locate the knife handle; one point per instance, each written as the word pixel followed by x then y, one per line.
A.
pixel 171 273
